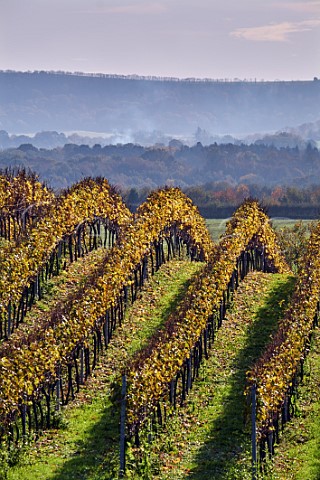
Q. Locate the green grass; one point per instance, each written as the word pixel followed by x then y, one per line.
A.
pixel 288 222
pixel 87 447
pixel 78 450
pixel 216 226
pixel 156 304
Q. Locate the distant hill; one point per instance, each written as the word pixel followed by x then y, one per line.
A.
pixel 48 101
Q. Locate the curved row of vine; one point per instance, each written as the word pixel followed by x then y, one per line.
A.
pixel 23 198
pixel 20 263
pixel 274 372
pixel 30 356
pixel 20 189
pixel 149 374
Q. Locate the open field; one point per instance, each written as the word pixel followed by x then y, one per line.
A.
pixel 217 226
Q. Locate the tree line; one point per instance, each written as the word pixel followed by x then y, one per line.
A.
pixel 220 199
pixel 132 165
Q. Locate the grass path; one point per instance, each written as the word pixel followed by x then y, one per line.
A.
pixel 86 445
pixel 211 440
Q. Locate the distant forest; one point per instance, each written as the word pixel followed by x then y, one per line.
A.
pixel 217 177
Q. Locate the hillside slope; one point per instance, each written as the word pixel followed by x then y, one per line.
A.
pixel 38 101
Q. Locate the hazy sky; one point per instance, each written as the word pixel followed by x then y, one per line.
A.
pixel 263 39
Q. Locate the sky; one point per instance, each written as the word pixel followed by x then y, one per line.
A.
pixel 219 39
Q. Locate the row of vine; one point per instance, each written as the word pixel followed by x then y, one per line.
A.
pixel 151 372
pixel 33 357
pixel 275 374
pixel 38 255
pixel 23 199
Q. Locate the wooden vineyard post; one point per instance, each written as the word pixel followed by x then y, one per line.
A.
pixel 23 416
pixel 254 431
pixel 123 427
pixel 58 389
pixel 81 379
pixel 9 320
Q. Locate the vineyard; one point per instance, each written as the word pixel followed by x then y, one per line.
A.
pixel 74 268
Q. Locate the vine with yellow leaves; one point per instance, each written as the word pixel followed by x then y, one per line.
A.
pixel 58 236
pixel 33 359
pixel 276 374
pixel 23 200
pixel 249 243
